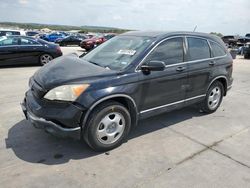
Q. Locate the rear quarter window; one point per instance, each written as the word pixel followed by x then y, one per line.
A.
pixel 217 50
pixel 198 49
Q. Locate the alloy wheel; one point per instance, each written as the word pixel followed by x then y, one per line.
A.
pixel 214 98
pixel 44 59
pixel 110 128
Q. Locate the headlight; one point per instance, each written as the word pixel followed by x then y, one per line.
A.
pixel 66 92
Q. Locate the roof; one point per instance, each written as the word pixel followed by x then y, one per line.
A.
pixel 164 34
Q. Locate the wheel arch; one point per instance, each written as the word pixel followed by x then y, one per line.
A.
pixel 223 80
pixel 126 100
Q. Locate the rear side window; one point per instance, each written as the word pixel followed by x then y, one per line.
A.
pixel 169 51
pixel 4 41
pixel 217 50
pixel 198 49
pixel 25 41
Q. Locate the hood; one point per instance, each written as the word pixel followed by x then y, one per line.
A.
pixel 68 69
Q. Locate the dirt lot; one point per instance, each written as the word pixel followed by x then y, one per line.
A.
pixel 179 149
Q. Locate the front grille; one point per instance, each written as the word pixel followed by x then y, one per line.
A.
pixel 37 90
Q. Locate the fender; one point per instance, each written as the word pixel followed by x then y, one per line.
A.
pixel 104 99
pixel 216 78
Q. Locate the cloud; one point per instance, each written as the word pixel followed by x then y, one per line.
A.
pixel 23 2
pixel 225 16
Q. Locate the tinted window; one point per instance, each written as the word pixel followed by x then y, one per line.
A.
pixel 217 50
pixel 169 51
pixel 198 49
pixel 5 41
pixel 25 41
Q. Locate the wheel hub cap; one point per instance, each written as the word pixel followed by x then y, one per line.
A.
pixel 214 98
pixel 110 128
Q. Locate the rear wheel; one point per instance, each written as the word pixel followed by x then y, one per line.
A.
pixel 213 98
pixel 45 58
pixel 108 126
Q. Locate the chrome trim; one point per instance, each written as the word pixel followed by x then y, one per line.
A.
pixel 170 104
pixel 216 79
pixel 34 45
pixel 104 99
pixel 186 46
pixel 195 61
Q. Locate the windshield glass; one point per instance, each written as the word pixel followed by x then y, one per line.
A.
pixel 118 52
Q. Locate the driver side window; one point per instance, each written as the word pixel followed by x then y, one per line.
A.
pixel 170 52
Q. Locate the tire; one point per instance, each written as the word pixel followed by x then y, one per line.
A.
pixel 213 98
pixel 246 56
pixel 108 126
pixel 45 58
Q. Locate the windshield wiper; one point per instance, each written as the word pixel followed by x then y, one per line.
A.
pixel 95 63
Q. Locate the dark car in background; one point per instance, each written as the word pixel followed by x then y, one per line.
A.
pixel 246 50
pixel 31 33
pixel 70 40
pixel 101 96
pixel 108 36
pixel 230 40
pixel 26 50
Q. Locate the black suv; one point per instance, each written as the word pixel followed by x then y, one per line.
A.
pixel 102 95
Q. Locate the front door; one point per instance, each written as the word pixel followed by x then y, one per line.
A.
pixel 164 90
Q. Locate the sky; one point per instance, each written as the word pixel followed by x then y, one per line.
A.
pixel 224 16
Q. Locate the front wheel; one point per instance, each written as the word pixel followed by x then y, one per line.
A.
pixel 108 126
pixel 213 98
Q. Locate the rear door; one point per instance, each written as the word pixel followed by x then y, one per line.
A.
pixel 200 65
pixel 8 50
pixel 29 51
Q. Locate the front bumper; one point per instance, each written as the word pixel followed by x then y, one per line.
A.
pixel 49 126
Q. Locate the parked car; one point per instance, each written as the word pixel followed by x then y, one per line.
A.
pixel 230 40
pixel 102 95
pixel 246 50
pixel 108 36
pixel 5 32
pixel 70 40
pixel 26 50
pixel 31 33
pixel 89 44
pixel 52 37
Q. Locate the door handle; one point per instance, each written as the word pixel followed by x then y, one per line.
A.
pixel 180 69
pixel 212 63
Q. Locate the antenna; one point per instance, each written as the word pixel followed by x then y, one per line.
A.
pixel 195 28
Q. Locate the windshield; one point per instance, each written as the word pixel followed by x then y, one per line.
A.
pixel 118 52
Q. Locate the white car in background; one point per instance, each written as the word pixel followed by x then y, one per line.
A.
pixel 8 32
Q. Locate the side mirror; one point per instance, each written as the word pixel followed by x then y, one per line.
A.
pixel 153 66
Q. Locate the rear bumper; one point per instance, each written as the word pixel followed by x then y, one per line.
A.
pixel 49 126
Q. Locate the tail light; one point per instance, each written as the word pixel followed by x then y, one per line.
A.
pixel 58 49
